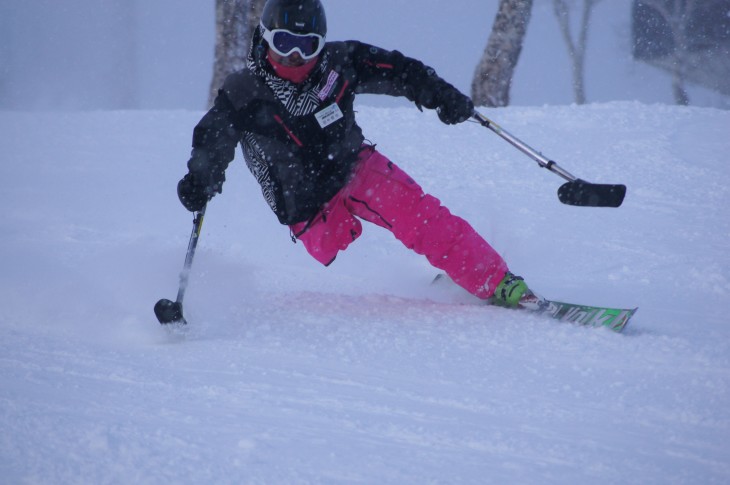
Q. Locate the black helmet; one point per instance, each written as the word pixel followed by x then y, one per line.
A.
pixel 298 16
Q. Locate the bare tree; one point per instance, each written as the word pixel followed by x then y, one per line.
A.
pixel 576 48
pixel 235 22
pixel 126 62
pixel 493 76
pixel 677 14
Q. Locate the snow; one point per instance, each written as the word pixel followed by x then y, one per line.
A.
pixel 363 372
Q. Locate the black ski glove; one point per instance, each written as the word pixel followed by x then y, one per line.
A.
pixel 192 193
pixel 454 107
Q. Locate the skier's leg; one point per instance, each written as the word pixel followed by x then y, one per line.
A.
pixel 331 231
pixel 383 194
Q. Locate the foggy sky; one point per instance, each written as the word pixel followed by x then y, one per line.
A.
pixel 158 54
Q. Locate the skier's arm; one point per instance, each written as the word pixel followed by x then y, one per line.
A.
pixel 214 143
pixel 390 72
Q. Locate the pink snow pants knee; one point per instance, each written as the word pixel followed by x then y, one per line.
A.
pixel 383 194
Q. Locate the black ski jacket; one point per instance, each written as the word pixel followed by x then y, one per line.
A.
pixel 301 141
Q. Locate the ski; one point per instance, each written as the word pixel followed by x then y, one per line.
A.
pixel 614 319
pixel 586 315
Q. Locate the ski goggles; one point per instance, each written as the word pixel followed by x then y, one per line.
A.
pixel 284 43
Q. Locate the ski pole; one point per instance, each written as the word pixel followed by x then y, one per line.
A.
pixel 575 191
pixel 171 311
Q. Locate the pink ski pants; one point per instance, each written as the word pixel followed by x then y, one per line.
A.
pixel 383 194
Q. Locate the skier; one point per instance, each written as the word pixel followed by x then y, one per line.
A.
pixel 291 108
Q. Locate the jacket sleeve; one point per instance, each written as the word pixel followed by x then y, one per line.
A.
pixel 214 142
pixel 389 72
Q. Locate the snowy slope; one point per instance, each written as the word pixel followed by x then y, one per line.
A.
pixel 362 372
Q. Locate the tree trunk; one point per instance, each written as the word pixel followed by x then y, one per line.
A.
pixel 576 49
pixel 235 22
pixel 493 76
pixel 681 97
pixel 677 14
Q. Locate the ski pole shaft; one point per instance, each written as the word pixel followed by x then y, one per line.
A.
pixel 524 147
pixel 192 244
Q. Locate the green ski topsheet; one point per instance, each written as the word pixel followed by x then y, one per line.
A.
pixel 591 316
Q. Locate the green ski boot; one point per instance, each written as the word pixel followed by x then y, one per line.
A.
pixel 511 291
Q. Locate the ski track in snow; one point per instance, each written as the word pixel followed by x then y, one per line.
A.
pixel 363 372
